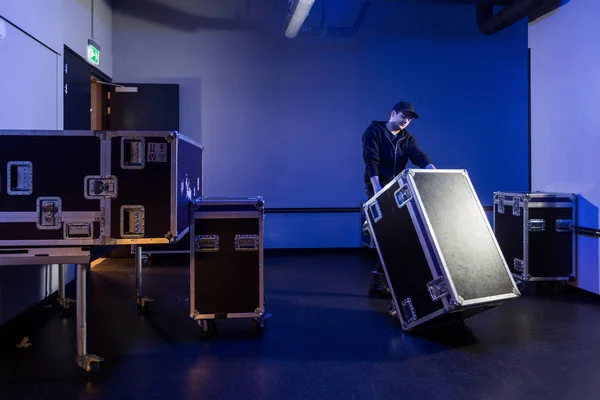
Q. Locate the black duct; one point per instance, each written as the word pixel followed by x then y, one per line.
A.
pixel 490 23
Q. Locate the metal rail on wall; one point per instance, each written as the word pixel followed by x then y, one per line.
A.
pixel 325 210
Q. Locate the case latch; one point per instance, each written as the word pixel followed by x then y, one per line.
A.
pixel 246 242
pixel 206 243
pixel 437 288
pixel 375 211
pixel 408 310
pixel 133 153
pixel 518 265
pixel 402 196
pixel 516 208
pixel 49 213
pixel 564 225
pixel 500 204
pixel 536 225
pixel 79 230
pixel 98 187
pixel 133 221
pixel 19 178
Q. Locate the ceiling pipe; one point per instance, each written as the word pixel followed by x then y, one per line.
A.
pixel 490 23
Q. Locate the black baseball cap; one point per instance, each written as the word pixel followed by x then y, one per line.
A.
pixel 406 107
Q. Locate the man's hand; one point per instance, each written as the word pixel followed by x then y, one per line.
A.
pixel 430 166
pixel 375 183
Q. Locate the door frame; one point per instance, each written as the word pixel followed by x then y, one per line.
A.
pixel 94 72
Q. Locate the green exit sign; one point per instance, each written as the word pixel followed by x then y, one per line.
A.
pixel 93 52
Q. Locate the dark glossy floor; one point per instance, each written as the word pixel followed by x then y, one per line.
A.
pixel 325 340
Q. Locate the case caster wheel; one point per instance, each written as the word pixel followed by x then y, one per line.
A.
pixel 143 304
pixel 207 327
pixel 392 311
pixel 90 363
pixel 94 367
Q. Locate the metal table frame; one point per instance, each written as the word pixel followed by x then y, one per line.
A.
pixel 61 256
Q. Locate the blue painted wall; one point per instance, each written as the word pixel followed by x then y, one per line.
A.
pixel 283 118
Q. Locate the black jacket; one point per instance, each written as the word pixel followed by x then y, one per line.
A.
pixel 386 156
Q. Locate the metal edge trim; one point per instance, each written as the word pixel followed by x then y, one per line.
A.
pixel 261 277
pixel 182 234
pixel 105 170
pixel 20 132
pixel 228 201
pixel 190 140
pixel 413 171
pixel 174 185
pixel 226 214
pixel 124 133
pixel 489 299
pixel 141 241
pixel 548 278
pixel 197 316
pixel 549 205
pixel 52 242
pixel 426 318
pixel 574 238
pixel 165 252
pixel 192 262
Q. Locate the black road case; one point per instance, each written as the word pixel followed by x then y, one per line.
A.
pixel 157 174
pixel 226 264
pixel 72 188
pixel 536 235
pixel 365 235
pixel 438 251
pixel 42 196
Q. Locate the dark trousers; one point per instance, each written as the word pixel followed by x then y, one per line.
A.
pixel 370 193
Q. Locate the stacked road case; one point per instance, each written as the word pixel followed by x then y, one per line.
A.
pixel 43 200
pixel 226 261
pixel 536 235
pixel 437 248
pixel 69 188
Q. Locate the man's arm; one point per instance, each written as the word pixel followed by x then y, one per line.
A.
pixel 371 158
pixel 375 183
pixel 418 156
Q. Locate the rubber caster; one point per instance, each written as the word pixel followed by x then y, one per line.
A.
pixel 207 327
pixel 89 363
pixel 94 367
pixel 143 304
pixel 392 311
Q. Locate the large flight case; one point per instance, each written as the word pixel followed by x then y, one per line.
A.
pixel 71 188
pixel 536 235
pixel 438 251
pixel 43 199
pixel 157 175
pixel 226 261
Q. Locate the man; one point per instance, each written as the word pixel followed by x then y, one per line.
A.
pixel 387 148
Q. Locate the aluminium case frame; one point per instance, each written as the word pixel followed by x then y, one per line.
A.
pixel 522 205
pixel 227 208
pixel 37 210
pixel 178 207
pixel 97 186
pixel 442 286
